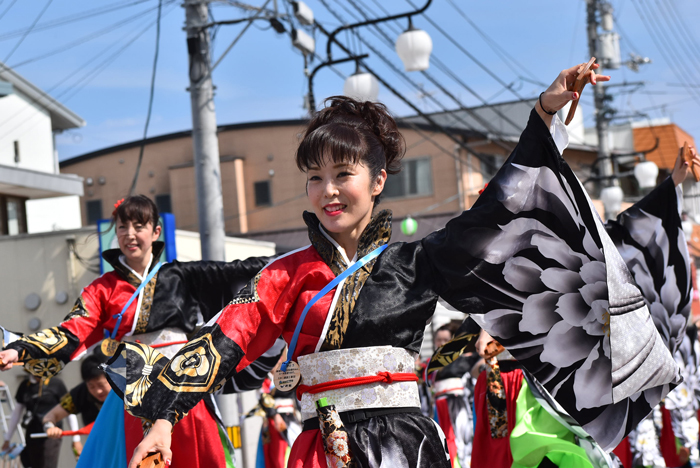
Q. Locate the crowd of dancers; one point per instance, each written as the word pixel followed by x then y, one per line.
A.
pixel 578 326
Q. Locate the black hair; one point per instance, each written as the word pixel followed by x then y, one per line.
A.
pixel 137 208
pixel 89 368
pixel 347 130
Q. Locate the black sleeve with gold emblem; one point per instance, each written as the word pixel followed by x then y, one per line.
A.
pixel 154 388
pixel 186 290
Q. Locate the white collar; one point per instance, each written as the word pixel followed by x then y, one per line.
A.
pixel 122 259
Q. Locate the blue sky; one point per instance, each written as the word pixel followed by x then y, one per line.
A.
pixel 262 77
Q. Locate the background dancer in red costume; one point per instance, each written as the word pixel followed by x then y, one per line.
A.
pixel 100 312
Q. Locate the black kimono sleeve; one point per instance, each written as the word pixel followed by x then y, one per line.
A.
pixel 190 292
pixel 650 239
pixel 533 263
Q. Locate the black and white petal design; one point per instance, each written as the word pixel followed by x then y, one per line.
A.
pixel 594 321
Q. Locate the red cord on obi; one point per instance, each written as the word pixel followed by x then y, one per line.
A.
pixel 381 377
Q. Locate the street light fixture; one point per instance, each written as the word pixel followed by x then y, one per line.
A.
pixel 413 47
pixel 646 173
pixel 612 200
pixel 362 86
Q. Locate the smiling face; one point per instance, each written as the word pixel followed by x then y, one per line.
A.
pixel 136 241
pixel 342 197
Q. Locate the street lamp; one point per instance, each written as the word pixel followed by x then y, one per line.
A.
pixel 409 226
pixel 413 47
pixel 612 200
pixel 646 173
pixel 362 86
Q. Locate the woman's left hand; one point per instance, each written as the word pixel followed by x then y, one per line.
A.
pixel 558 95
pixel 682 168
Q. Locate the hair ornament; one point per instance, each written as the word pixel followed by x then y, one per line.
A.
pixel 116 206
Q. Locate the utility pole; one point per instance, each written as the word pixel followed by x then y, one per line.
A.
pixel 601 109
pixel 210 203
pixel 207 169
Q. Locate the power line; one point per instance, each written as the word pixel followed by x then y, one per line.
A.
pixel 483 158
pixel 468 54
pixel 686 30
pixel 679 40
pixel 500 51
pixel 389 43
pixel 70 19
pixel 36 20
pixel 88 76
pixel 84 39
pixel 150 99
pixel 7 9
pixel 666 50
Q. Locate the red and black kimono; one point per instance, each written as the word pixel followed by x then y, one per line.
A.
pixel 530 260
pixel 94 314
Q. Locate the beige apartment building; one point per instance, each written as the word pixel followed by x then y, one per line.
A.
pixel 264 192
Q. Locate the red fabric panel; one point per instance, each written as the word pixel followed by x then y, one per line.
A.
pixel 624 453
pixel 667 441
pixel 255 326
pixel 103 298
pixel 195 440
pixel 443 415
pixel 276 449
pixel 488 452
pixel 307 451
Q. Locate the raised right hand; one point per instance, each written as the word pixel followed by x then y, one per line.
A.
pixel 158 439
pixel 8 357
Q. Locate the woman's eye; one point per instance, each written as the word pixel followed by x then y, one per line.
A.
pixel 343 174
pixel 312 178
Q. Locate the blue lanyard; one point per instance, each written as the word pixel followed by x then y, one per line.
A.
pixel 352 269
pixel 134 296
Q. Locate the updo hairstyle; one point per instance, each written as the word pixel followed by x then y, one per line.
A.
pixel 138 208
pixel 350 131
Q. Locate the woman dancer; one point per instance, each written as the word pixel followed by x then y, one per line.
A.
pixel 100 312
pixel 355 349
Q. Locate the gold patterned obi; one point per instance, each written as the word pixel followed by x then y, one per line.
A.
pixel 167 341
pixel 328 366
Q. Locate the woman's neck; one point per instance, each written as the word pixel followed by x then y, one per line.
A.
pixel 139 266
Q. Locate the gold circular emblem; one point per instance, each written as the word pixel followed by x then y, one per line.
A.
pixel 109 346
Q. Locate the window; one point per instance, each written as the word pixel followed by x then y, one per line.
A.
pixel 490 169
pixel 94 211
pixel 163 203
pixel 263 197
pixel 415 179
pixel 13 216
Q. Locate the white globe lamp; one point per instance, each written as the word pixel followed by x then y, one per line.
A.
pixel 646 173
pixel 414 47
pixel 612 200
pixel 362 86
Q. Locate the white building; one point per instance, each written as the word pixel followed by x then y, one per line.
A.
pixel 34 196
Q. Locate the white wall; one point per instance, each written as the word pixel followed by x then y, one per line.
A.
pixel 53 214
pixel 189 250
pixel 31 126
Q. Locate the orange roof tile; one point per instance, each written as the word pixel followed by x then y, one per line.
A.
pixel 671 137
